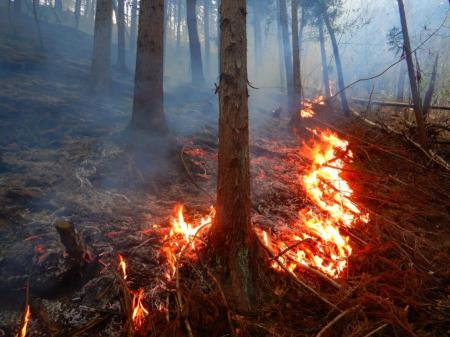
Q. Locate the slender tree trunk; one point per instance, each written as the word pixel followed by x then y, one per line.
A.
pixel 281 51
pixel 148 104
pixel 121 63
pixel 401 83
pixel 101 59
pixel 207 13
pixel 287 51
pixel 296 58
pixel 430 90
pixel 58 6
pixel 17 7
pixel 257 32
pixel 337 58
pixel 38 26
pixel 178 48
pixel 194 44
pixel 77 13
pixel 93 7
pixel 323 54
pixel 412 78
pixel 133 25
pixel 232 237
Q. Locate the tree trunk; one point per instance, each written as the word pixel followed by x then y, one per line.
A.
pixel 296 59
pixel 232 237
pixel 17 7
pixel 121 64
pixel 87 6
pixel 257 32
pixel 133 25
pixel 194 44
pixel 101 59
pixel 401 83
pixel 430 91
pixel 38 26
pixel 148 105
pixel 337 58
pixel 323 54
pixel 280 48
pixel 207 13
pixel 178 48
pixel 287 51
pixel 93 7
pixel 58 6
pixel 412 78
pixel 77 13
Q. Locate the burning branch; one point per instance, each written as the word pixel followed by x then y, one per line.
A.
pixel 27 313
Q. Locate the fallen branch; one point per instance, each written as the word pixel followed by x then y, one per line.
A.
pixel 337 318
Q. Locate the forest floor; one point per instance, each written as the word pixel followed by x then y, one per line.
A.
pixel 63 156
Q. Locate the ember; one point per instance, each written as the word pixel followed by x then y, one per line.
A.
pixel 320 243
pixel 26 318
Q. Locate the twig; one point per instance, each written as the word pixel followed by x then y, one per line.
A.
pixel 381 327
pixel 337 318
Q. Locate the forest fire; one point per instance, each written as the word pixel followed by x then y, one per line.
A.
pixel 139 312
pixel 318 240
pixel 123 266
pixel 307 106
pixel 26 319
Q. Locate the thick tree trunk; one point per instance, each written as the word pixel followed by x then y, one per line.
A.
pixel 430 90
pixel 207 13
pixel 77 13
pixel 296 58
pixel 287 51
pixel 337 58
pixel 257 32
pixel 232 237
pixel 133 24
pixel 323 54
pixel 121 64
pixel 148 105
pixel 412 78
pixel 101 59
pixel 401 83
pixel 194 44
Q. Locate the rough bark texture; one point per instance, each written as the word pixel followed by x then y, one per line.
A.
pixel 77 13
pixel 207 13
pixel 101 59
pixel 401 83
pixel 286 50
pixel 337 58
pixel 232 237
pixel 430 90
pixel 323 54
pixel 148 106
pixel 296 58
pixel 133 24
pixel 194 44
pixel 412 78
pixel 121 64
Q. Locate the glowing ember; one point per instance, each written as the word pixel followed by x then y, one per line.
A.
pixel 139 312
pixel 123 266
pixel 26 318
pixel 319 242
pixel 307 106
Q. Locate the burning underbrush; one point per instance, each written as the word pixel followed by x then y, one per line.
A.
pixel 349 219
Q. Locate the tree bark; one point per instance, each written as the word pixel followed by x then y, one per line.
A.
pixel 207 13
pixel 287 52
pixel 101 59
pixel 296 58
pixel 430 90
pixel 77 13
pixel 412 79
pixel 337 58
pixel 323 54
pixel 121 64
pixel 232 237
pixel 148 104
pixel 194 44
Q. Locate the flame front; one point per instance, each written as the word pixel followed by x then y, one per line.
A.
pixel 26 318
pixel 139 312
pixel 123 266
pixel 318 239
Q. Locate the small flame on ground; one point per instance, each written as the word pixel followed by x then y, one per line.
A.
pixel 321 244
pixel 26 318
pixel 123 266
pixel 307 110
pixel 139 312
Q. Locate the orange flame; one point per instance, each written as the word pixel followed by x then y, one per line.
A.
pixel 123 266
pixel 139 312
pixel 321 244
pixel 26 318
pixel 307 110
